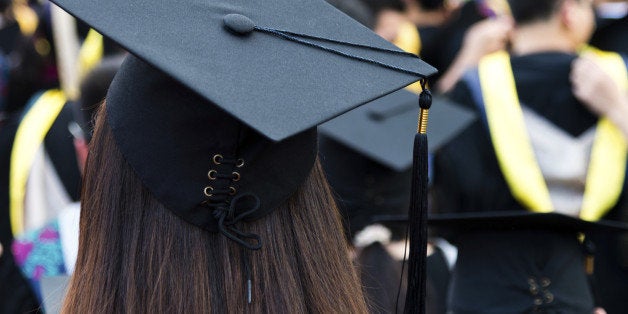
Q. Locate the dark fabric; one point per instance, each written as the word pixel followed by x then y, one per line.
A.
pixel 7 133
pixel 364 188
pixel 611 272
pixel 611 35
pixel 438 275
pixel 467 179
pixel 168 134
pixel 429 40
pixel 520 219
pixel 277 86
pixel 380 275
pixel 611 264
pixel 450 37
pixel 16 295
pixel 59 146
pixel 543 274
pixel 383 130
pixel 9 36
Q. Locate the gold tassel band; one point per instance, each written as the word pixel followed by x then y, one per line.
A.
pixel 423 117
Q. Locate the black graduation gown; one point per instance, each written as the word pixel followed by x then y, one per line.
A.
pixel 611 35
pixel 507 271
pixel 16 295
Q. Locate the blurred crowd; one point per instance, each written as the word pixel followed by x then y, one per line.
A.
pixel 55 71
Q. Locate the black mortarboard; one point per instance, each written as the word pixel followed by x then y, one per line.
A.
pixel 383 130
pixel 367 154
pixel 217 103
pixel 523 220
pixel 279 66
pixel 509 220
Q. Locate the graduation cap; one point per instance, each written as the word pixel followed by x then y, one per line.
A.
pixel 217 105
pixel 510 219
pixel 367 154
pixel 383 130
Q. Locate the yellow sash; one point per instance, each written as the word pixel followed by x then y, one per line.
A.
pixel 26 18
pixel 91 52
pixel 607 168
pixel 28 138
pixel 409 40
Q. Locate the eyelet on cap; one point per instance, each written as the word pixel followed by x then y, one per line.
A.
pixel 212 174
pixel 207 191
pixel 217 159
pixel 549 297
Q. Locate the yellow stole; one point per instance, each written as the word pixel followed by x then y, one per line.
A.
pixel 409 40
pixel 28 138
pixel 91 52
pixel 607 168
pixel 25 17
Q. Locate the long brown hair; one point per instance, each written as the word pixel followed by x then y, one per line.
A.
pixel 135 256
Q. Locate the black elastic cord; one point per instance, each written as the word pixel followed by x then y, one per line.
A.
pixel 294 37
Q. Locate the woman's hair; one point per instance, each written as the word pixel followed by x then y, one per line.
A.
pixel 380 274
pixel 136 256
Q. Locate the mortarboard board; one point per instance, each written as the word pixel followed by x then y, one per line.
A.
pixel 505 220
pixel 367 154
pixel 281 67
pixel 217 84
pixel 383 130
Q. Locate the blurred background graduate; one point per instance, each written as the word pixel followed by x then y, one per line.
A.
pixel 40 171
pixel 535 149
pixel 367 156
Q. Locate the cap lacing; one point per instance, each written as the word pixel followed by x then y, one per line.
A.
pixel 227 207
pixel 227 219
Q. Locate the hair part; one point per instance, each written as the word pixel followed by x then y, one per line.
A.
pixel 527 12
pixel 431 5
pixel 135 255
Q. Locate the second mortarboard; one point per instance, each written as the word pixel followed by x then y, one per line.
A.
pixel 367 154
pixel 512 220
pixel 279 66
pixel 383 130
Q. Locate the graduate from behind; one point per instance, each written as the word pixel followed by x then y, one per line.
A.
pixel 533 173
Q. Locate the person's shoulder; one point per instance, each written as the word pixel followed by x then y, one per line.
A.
pixel 543 60
pixel 463 92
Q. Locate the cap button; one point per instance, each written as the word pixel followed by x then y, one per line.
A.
pixel 238 24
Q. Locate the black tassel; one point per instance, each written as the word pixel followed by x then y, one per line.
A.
pixel 417 220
